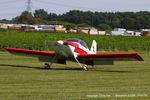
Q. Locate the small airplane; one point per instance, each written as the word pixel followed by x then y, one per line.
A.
pixel 76 50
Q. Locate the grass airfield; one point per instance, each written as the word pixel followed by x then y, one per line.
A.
pixel 23 78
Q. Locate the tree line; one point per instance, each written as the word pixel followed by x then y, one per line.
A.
pixel 77 18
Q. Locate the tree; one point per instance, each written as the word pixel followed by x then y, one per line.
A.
pixel 104 27
pixel 116 22
pixel 128 23
pixel 73 16
pixel 101 20
pixel 52 17
pixel 27 18
pixel 69 26
pixel 141 22
pixel 41 13
pixel 83 25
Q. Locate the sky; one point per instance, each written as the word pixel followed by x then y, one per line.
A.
pixel 12 8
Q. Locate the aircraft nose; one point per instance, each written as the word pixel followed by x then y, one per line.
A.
pixel 58 42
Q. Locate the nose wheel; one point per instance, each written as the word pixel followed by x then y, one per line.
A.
pixel 47 66
pixel 85 67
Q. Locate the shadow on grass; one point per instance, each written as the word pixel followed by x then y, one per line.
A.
pixel 21 66
pixel 39 68
pixel 118 71
pixel 65 68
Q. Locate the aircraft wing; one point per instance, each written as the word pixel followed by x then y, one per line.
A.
pixel 42 55
pixel 107 59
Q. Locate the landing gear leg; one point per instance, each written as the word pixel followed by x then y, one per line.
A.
pixel 47 66
pixel 84 66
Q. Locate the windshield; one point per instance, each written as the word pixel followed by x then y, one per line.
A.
pixel 79 41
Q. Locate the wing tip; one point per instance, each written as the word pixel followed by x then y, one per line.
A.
pixel 5 47
pixel 138 57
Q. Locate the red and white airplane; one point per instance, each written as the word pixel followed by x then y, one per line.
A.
pixel 76 50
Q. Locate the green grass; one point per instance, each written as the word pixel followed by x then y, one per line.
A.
pixel 23 78
pixel 43 41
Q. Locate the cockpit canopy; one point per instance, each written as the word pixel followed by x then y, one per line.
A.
pixel 77 40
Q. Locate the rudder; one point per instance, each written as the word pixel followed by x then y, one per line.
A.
pixel 93 47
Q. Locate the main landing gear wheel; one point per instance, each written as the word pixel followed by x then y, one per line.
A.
pixel 85 67
pixel 47 66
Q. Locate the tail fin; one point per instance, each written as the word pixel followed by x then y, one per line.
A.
pixel 93 47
